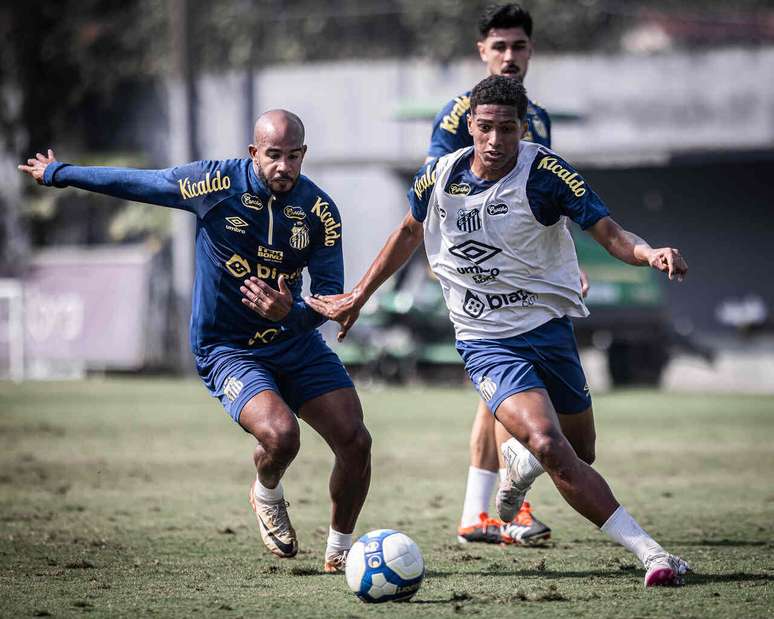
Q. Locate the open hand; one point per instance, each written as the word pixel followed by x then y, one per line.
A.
pixel 343 308
pixel 264 300
pixel 668 260
pixel 36 168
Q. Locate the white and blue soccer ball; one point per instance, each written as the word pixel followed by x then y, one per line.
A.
pixel 385 566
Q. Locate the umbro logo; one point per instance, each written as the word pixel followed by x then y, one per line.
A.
pixel 235 224
pixel 474 251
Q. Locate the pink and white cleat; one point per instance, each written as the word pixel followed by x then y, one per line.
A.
pixel 665 570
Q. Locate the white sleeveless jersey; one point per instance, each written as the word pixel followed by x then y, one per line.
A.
pixel 502 272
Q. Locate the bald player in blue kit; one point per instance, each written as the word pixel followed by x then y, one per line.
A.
pixel 260 223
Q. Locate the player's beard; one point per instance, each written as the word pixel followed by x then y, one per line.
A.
pixel 262 176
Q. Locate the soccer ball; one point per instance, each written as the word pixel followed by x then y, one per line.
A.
pixel 385 566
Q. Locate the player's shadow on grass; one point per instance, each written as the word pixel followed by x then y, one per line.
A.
pixel 691 579
pixel 714 542
pixel 706 579
pixel 548 574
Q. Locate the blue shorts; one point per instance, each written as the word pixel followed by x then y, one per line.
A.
pixel 298 369
pixel 544 358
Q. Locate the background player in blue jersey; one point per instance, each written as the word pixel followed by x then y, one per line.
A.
pixel 507 265
pixel 505 46
pixel 260 222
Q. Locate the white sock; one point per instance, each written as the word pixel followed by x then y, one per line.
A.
pixel 502 473
pixel 268 495
pixel 337 541
pixel 478 493
pixel 622 528
pixel 528 468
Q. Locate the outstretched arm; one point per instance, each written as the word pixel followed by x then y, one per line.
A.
pixel 191 187
pixel 630 248
pixel 345 308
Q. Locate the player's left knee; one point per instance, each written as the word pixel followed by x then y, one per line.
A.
pixel 357 447
pixel 362 441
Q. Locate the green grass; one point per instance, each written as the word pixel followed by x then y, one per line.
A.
pixel 129 497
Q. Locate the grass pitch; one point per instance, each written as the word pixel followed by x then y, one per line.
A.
pixel 129 497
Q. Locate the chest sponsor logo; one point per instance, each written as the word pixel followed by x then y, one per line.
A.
pixel 451 121
pixel 232 388
pixel 522 298
pixel 468 220
pixel 263 271
pixel 251 201
pixel 270 255
pixel 571 179
pixel 497 209
pixel 487 388
pixel 331 227
pixel 474 251
pixel 238 266
pixel 459 189
pixel 294 212
pixel 473 305
pixel 299 236
pixel 210 184
pixel 236 224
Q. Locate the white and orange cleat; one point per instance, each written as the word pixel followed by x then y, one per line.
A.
pixel 335 561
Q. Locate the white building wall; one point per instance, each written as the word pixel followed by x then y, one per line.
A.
pixel 632 109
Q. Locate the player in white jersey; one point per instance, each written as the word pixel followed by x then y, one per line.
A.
pixel 493 219
pixel 505 47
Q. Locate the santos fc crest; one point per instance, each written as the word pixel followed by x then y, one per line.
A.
pixel 299 236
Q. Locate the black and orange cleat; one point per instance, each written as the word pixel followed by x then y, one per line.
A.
pixel 487 530
pixel 526 528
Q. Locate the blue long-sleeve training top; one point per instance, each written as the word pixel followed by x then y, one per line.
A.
pixel 243 230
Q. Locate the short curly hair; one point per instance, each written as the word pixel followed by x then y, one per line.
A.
pixel 500 90
pixel 505 16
